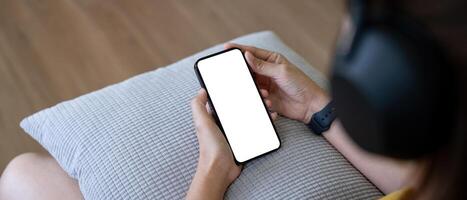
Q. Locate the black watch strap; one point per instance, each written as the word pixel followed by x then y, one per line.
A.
pixel 322 120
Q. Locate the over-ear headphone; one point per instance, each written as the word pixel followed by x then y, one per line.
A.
pixel 392 86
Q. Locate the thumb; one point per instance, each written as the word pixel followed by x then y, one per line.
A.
pixel 262 67
pixel 201 117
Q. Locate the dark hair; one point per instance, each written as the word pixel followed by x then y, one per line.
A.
pixel 444 174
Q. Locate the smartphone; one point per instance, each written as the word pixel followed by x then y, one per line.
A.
pixel 237 105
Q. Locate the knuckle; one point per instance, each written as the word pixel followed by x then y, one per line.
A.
pixel 279 58
pixel 283 69
pixel 259 64
pixel 276 57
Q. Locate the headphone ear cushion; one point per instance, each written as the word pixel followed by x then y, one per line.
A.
pixel 389 94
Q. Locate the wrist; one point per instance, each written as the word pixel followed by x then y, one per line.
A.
pixel 317 103
pixel 205 186
pixel 210 180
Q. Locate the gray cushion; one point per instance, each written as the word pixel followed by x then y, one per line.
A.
pixel 135 140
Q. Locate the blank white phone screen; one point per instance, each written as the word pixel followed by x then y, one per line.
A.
pixel 238 105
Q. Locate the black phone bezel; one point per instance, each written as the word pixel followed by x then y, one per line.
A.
pixel 213 109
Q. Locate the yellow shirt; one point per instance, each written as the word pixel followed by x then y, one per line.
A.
pixel 399 195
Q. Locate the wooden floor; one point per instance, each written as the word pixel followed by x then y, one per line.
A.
pixel 53 50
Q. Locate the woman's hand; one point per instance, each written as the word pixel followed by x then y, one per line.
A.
pixel 216 166
pixel 286 88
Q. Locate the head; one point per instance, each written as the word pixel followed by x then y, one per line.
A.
pixel 401 65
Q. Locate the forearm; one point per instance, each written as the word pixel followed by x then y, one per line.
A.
pixel 386 173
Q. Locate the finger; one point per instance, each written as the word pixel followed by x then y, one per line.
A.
pixel 198 106
pixel 264 93
pixel 208 108
pixel 274 116
pixel 258 52
pixel 268 103
pixel 262 67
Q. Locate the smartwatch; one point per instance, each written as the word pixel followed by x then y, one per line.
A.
pixel 322 120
